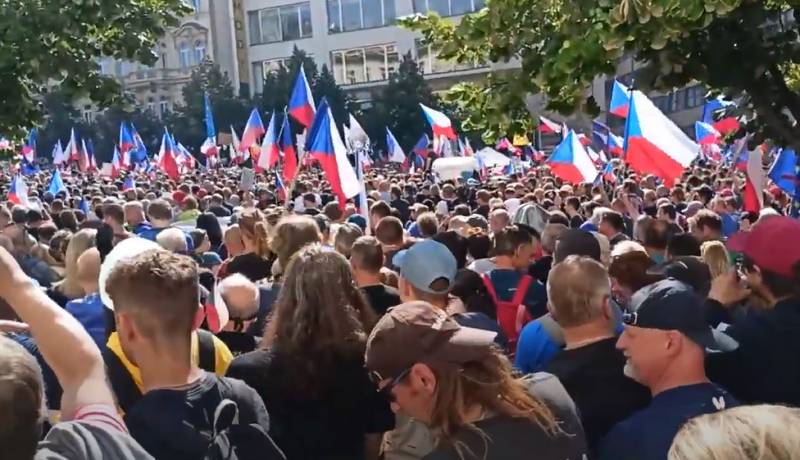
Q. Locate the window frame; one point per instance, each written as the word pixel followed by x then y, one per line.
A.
pixel 296 10
pixel 387 20
pixel 472 9
pixel 340 74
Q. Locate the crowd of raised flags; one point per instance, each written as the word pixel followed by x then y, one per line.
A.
pixel 651 144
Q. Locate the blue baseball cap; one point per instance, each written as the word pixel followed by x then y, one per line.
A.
pixel 425 262
pixel 359 220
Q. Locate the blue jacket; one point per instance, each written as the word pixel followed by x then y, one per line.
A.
pixel 90 312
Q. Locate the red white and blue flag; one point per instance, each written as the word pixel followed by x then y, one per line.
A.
pixel 269 155
pixel 654 144
pixel 209 147
pixel 755 182
pixel 252 132
pixel 59 157
pixel 440 123
pixel 288 151
pixel 18 192
pixel 167 161
pixel 29 147
pixel 280 189
pixel 301 102
pixel 116 163
pixel 326 146
pixel 126 141
pixel 570 161
pixel 73 151
pixel 783 171
pixel 724 125
pixel 620 100
pixel 705 134
pixel 421 147
pixel 129 183
pixel 396 153
pixel 548 126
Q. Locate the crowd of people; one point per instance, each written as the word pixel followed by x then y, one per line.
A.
pixel 509 317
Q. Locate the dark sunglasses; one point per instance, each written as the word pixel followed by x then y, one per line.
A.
pixel 386 391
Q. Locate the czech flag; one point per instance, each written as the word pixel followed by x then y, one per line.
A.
pixel 620 100
pixel 126 141
pixel 606 175
pixel 755 181
pixel 654 144
pixel 167 161
pixel 705 134
pixel 280 190
pixel 725 125
pixel 29 147
pixel 209 147
pixel 301 102
pixel 268 157
pixel 236 157
pixel 288 151
pixel 18 192
pixel 396 153
pixel 571 162
pixel 57 184
pixel 547 126
pixel 252 131
pixel 116 163
pixel 129 184
pixel 139 152
pixel 72 151
pixel 421 147
pixel 783 171
pixel 328 149
pixel 58 154
pixel 91 164
pixel 440 124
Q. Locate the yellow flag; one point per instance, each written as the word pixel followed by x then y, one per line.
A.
pixel 521 140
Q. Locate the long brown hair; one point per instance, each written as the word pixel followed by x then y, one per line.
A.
pixel 491 384
pixel 320 317
pixel 253 226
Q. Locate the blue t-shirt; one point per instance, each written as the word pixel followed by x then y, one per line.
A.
pixel 730 224
pixel 90 312
pixel 150 233
pixel 648 433
pixel 505 283
pixel 535 348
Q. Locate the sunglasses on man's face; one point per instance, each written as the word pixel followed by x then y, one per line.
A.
pixel 386 390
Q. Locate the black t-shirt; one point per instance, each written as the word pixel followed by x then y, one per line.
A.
pixel 540 269
pixel 594 378
pixel 328 423
pixel 507 438
pixel 575 221
pixel 238 342
pixel 250 265
pixel 219 211
pixel 175 424
pixel 381 297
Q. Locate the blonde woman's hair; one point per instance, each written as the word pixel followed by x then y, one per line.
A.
pixel 254 227
pixel 762 432
pixel 716 257
pixel 290 234
pixel 491 384
pixel 80 242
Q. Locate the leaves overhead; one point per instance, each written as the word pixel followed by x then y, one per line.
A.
pixel 738 48
pixel 46 43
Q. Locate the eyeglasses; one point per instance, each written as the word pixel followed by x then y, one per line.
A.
pixel 387 389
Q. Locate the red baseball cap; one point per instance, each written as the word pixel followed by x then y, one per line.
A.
pixel 772 244
pixel 178 196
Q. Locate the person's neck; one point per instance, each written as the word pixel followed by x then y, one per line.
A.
pixel 118 229
pixel 364 279
pixel 578 336
pixel 504 262
pixel 166 370
pixel 89 290
pixel 688 375
pixel 159 223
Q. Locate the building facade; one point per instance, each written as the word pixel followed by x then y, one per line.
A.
pixel 206 33
pixel 358 40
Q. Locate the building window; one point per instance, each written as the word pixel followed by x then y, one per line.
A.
pixel 695 96
pixel 199 51
pixel 277 24
pixel 88 114
pixel 164 105
pixel 429 62
pixel 194 4
pixel 185 55
pixel 347 15
pixel 448 7
pixel 263 68
pixel 361 65
pixel 675 101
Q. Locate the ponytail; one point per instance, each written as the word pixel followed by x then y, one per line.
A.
pixel 261 237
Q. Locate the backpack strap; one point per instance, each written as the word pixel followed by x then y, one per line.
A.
pixel 552 329
pixel 205 351
pixel 487 282
pixel 125 389
pixel 522 289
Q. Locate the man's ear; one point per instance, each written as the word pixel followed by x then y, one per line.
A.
pixel 422 378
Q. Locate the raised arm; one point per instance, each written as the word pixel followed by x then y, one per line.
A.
pixel 62 340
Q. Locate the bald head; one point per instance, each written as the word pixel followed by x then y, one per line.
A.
pixel 241 297
pixel 88 270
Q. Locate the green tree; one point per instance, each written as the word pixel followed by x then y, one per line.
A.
pixel 60 116
pixel 340 102
pixel 57 42
pixel 278 84
pixel 743 49
pixel 187 122
pixel 397 107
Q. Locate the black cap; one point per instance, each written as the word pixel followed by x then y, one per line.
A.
pixel 691 270
pixel 673 306
pixel 575 242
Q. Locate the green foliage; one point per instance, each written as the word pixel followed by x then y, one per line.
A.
pixel 325 86
pixel 278 85
pixel 187 121
pixel 739 48
pixel 46 43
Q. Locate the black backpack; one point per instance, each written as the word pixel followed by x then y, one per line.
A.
pixel 232 440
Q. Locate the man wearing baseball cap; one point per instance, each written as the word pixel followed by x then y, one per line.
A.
pixel 764 368
pixel 665 342
pixel 427 272
pixel 453 379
